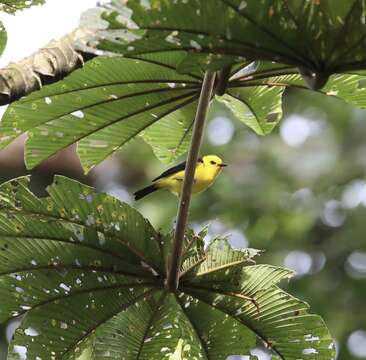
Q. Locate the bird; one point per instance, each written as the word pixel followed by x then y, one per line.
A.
pixel 207 169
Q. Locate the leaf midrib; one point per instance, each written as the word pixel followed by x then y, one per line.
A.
pixel 106 125
pixel 218 268
pixel 103 85
pixel 177 107
pixel 150 321
pixel 72 243
pixel 203 344
pixel 301 57
pixel 82 268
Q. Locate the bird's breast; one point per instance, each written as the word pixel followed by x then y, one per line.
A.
pixel 202 180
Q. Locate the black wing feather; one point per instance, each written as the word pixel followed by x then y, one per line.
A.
pixel 172 170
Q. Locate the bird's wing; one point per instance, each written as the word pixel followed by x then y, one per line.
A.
pixel 172 170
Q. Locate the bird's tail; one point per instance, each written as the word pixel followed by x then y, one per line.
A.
pixel 145 191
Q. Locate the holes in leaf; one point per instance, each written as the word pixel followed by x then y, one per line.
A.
pixel 4 247
pixel 79 114
pixel 31 332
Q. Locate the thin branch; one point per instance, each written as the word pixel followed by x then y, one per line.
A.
pixel 182 217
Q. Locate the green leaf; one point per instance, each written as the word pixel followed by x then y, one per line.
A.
pixel 3 38
pixel 102 106
pixel 280 320
pixel 91 244
pixel 78 207
pixel 174 132
pixel 210 327
pixel 257 107
pixel 274 78
pixel 220 256
pixel 87 274
pixel 307 34
pixel 350 88
pixel 193 252
pixel 11 6
pixel 111 101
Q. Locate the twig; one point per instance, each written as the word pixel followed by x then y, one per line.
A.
pixel 182 217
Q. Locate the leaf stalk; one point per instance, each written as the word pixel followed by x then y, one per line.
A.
pixel 223 77
pixel 185 196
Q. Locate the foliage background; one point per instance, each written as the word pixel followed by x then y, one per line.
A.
pixel 299 193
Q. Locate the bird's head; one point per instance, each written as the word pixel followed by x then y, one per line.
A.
pixel 212 161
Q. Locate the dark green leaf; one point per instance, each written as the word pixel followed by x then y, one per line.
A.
pixel 280 320
pixel 319 37
pixel 87 274
pixel 258 107
pixel 101 107
pixel 111 101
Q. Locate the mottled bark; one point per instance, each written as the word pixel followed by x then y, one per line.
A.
pixel 49 64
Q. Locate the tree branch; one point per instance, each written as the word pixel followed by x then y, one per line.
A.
pixel 182 217
pixel 47 65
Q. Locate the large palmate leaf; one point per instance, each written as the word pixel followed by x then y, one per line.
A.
pixel 319 37
pixel 102 106
pixel 110 101
pixel 86 271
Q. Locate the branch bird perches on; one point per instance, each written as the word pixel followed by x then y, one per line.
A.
pixel 182 217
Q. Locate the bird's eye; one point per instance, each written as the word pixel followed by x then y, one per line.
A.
pixel 200 160
pixel 213 162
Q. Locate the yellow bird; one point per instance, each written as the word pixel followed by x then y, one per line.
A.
pixel 207 169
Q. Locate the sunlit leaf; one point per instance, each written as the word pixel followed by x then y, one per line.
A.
pixel 257 107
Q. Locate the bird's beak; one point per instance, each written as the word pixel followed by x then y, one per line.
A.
pixel 222 165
